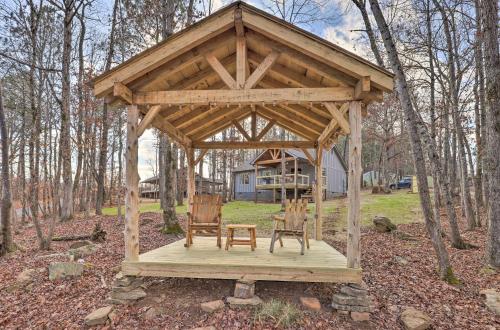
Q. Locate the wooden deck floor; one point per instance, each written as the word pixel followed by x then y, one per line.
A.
pixel 321 263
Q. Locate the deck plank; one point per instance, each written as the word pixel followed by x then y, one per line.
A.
pixel 321 263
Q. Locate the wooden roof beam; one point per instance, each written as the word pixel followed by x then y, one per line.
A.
pixel 334 124
pixel 221 71
pixel 253 144
pixel 148 118
pixel 303 60
pixel 297 79
pixel 123 93
pixel 288 124
pixel 174 133
pixel 241 130
pixel 165 51
pixel 303 120
pixel 219 127
pixel 338 116
pixel 251 96
pixel 320 51
pixel 221 114
pixel 266 129
pixel 262 69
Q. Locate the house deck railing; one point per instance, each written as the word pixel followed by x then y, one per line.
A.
pixel 275 180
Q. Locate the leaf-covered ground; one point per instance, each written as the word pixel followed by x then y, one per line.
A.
pixel 65 303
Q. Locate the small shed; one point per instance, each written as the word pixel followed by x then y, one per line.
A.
pixel 242 63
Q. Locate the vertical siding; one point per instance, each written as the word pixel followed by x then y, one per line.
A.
pixel 336 179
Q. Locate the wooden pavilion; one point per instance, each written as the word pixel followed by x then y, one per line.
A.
pixel 241 63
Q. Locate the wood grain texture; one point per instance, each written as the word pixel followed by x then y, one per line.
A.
pixel 354 190
pixel 321 263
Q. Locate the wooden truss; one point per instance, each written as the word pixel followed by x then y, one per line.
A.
pixel 241 64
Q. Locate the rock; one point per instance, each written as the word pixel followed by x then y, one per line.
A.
pixel 134 294
pixel 26 276
pixel 341 312
pixel 123 280
pixel 99 316
pixel 212 306
pixel 352 291
pixel 235 302
pixel 311 303
pixel 244 289
pixel 79 244
pixel 83 251
pixel 116 301
pixel 352 308
pixel 415 320
pixel 360 286
pixel 400 260
pixel 383 224
pixel 59 270
pixel 492 300
pixel 151 314
pixel 360 316
pixel 343 299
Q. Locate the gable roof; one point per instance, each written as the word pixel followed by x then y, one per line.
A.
pixel 274 70
pixel 222 20
pixel 249 165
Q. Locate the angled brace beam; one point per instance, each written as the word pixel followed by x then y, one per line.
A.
pixel 148 118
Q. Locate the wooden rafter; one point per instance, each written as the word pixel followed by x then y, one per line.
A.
pixel 219 127
pixel 337 58
pixel 174 133
pixel 286 123
pixel 198 159
pixel 338 115
pixel 281 113
pixel 184 61
pixel 195 116
pixel 266 129
pixel 284 72
pixel 221 71
pixel 162 53
pixel 262 69
pixel 222 115
pixel 309 157
pixel 241 130
pixel 238 97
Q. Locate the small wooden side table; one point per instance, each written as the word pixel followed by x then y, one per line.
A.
pixel 252 241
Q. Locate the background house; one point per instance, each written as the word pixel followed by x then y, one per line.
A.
pixel 260 178
pixel 150 188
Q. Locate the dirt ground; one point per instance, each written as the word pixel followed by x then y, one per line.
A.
pixel 393 285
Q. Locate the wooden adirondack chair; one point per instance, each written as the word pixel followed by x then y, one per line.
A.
pixel 294 223
pixel 205 216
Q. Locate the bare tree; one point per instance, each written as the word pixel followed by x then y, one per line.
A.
pixel 6 243
pixel 492 62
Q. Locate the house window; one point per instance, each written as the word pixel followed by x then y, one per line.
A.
pixel 245 179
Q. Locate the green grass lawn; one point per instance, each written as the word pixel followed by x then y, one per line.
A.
pixel 399 206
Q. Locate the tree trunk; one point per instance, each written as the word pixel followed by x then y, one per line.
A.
pixel 181 178
pixel 6 243
pixel 492 63
pixel 224 170
pixel 65 137
pixel 433 228
pixel 103 153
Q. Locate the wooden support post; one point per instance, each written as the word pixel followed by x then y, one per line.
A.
pixel 318 198
pixel 256 173
pixel 354 190
pixel 295 194
pixel 254 125
pixel 132 182
pixel 190 177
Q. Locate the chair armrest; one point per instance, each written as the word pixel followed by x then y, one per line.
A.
pixel 278 217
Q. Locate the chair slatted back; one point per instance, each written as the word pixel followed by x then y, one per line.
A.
pixel 295 214
pixel 206 208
